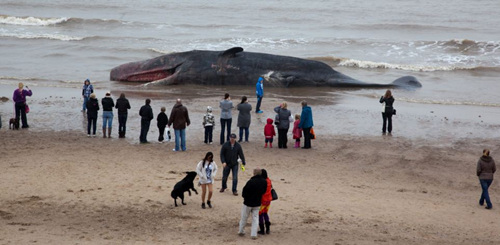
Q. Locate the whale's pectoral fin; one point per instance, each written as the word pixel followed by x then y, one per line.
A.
pixel 407 82
pixel 232 52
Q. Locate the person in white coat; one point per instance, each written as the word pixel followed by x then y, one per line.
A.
pixel 206 170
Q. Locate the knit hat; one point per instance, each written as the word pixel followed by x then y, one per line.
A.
pixel 209 109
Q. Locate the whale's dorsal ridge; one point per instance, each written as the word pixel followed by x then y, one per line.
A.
pixel 232 51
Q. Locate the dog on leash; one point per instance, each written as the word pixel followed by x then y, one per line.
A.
pixel 184 185
pixel 14 123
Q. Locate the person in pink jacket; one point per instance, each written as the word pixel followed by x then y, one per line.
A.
pixel 297 132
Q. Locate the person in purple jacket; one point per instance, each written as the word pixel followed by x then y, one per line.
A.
pixel 19 99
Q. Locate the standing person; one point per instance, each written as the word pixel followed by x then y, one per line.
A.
pixel 229 154
pixel 92 109
pixel 208 124
pixel 19 98
pixel 485 169
pixel 86 91
pixel 206 170
pixel 162 121
pixel 265 205
pixel 252 198
pixel 123 106
pixel 269 133
pixel 284 116
pixel 297 133
pixel 226 118
pixel 179 118
pixel 146 113
pixel 306 123
pixel 244 117
pixel 107 114
pixel 259 91
pixel 387 111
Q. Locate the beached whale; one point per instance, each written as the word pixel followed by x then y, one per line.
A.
pixel 236 67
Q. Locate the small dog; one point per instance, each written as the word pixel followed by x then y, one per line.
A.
pixel 13 123
pixel 184 185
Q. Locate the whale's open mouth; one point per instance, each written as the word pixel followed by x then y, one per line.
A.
pixel 133 73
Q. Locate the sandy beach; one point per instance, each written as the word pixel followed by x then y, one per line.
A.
pixel 60 187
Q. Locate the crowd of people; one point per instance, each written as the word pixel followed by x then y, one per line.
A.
pixel 257 191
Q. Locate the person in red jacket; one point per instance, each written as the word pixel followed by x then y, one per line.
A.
pixel 269 133
pixel 265 205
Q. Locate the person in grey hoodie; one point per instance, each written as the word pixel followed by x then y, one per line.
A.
pixel 283 116
pixel 226 118
pixel 485 170
pixel 244 117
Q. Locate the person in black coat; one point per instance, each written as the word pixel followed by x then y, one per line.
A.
pixel 92 109
pixel 162 120
pixel 146 113
pixel 123 106
pixel 229 154
pixel 252 197
pixel 387 111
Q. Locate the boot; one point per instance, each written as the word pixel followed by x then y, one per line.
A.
pixel 109 132
pixel 261 227
pixel 268 227
pixel 104 133
pixel 270 145
pixel 265 146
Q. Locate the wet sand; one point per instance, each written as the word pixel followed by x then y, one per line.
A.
pixel 354 187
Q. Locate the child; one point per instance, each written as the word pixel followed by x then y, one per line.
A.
pixel 269 133
pixel 208 124
pixel 162 123
pixel 297 133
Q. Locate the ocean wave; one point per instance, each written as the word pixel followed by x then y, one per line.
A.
pixel 42 36
pixel 31 21
pixel 346 62
pixel 448 102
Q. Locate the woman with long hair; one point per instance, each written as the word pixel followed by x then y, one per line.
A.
pixel 206 170
pixel 387 111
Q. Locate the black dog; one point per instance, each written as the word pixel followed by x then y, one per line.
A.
pixel 182 186
pixel 13 123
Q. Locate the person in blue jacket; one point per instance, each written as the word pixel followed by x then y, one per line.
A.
pixel 306 123
pixel 259 91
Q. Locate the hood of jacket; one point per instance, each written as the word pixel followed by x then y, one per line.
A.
pixel 486 158
pixel 270 121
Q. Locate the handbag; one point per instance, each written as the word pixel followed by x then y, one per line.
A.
pixel 313 135
pixel 26 108
pixel 274 195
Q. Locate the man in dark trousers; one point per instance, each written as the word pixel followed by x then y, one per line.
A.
pixel 229 154
pixel 146 113
pixel 252 195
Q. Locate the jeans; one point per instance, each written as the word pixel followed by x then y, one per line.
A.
pixel 208 134
pixel 223 124
pixel 307 137
pixel 162 133
pixel 245 211
pixel 180 135
pixel 143 138
pixel 282 138
pixel 485 184
pixel 21 112
pixel 259 101
pixel 91 122
pixel 246 133
pixel 386 118
pixel 122 123
pixel 85 99
pixel 225 175
pixel 107 118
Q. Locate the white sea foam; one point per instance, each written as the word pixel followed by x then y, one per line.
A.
pixel 30 21
pixel 41 36
pixel 405 67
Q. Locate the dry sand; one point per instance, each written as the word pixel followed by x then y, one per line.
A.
pixel 65 188
pixel 60 187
